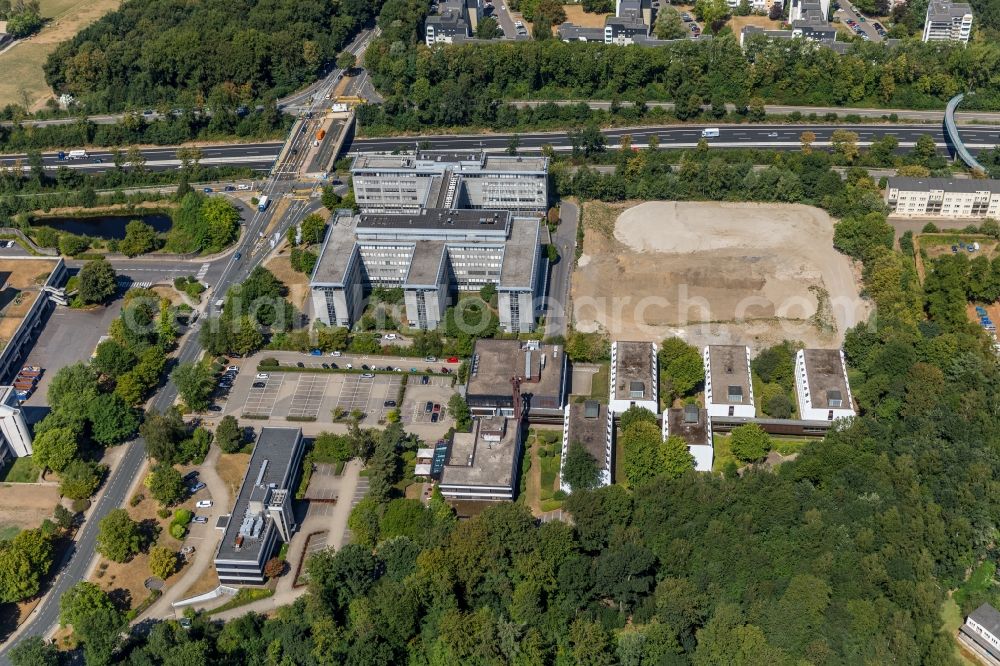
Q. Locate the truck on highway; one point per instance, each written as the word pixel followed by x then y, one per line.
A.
pixel 77 154
pixel 320 134
pixel 262 204
pixel 709 132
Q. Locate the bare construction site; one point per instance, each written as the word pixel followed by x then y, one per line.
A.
pixel 714 273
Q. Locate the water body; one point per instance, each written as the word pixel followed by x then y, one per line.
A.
pixel 109 226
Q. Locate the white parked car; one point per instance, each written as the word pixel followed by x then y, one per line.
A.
pixel 336 354
pixel 390 336
pixel 204 504
pixel 263 375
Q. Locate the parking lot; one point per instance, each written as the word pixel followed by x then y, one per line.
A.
pixel 262 400
pixel 437 391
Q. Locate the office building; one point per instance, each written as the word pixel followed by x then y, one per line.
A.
pixel 591 425
pixel 728 389
pixel 483 464
pixel 407 183
pixel 634 377
pixel 432 254
pixel 981 634
pixel 262 515
pixel 694 426
pixel 943 197
pixel 540 368
pixel 15 437
pixel 821 385
pixel 947 22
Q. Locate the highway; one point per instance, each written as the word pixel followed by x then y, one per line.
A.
pixel 258 156
pixel 687 136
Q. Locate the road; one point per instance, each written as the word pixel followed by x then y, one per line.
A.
pixel 687 136
pixel 259 156
pixel 564 238
pixel 304 99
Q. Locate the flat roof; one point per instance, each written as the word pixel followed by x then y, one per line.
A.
pixel 634 371
pixel 435 218
pixel 729 365
pixel 492 463
pixel 826 378
pixel 426 263
pixel 495 362
pixel 21 282
pixel 518 268
pixel 988 617
pixel 967 185
pixel 271 463
pixel 337 251
pixel 588 425
pixel 512 163
pixel 939 9
pixel 690 423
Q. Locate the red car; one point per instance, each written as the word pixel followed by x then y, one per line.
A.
pixel 453 359
pixel 445 370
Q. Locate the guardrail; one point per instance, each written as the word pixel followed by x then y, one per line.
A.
pixel 951 132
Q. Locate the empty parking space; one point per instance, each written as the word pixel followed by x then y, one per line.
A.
pixel 437 391
pixel 261 399
pixel 368 394
pixel 308 396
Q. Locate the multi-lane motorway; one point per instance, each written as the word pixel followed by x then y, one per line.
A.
pixel 259 156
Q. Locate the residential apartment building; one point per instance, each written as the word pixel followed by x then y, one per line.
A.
pixel 591 425
pixel 947 22
pixel 981 634
pixel 432 255
pixel 15 436
pixel 943 197
pixel 262 515
pixel 728 388
pixel 694 426
pixel 634 377
pixel 475 180
pixel 455 21
pixel 821 385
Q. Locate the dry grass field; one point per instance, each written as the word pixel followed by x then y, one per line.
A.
pixel 22 80
pixel 714 273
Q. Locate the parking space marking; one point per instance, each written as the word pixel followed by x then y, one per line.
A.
pixel 261 401
pixel 309 393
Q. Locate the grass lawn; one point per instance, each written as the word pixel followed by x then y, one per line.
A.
pixel 243 597
pixel 22 470
pixel 783 445
pixel 600 386
pixel 951 620
pixel 8 532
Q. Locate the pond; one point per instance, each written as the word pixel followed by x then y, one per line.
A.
pixel 108 226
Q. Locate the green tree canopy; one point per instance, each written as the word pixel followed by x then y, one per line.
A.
pixel 749 443
pixel 118 536
pixel 98 282
pixel 580 468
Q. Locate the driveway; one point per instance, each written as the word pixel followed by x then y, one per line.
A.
pixel 564 239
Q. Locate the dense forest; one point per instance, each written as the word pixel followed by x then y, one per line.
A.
pixel 467 84
pixel 218 52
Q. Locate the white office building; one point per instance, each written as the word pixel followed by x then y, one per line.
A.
pixel 634 377
pixel 821 385
pixel 948 22
pixel 943 197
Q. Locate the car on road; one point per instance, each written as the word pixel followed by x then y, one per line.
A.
pixel 368 375
pixel 200 520
pixel 243 186
pixel 207 190
pixel 198 486
pixel 771 135
pixel 229 188
pixel 259 384
pixel 316 352
pixel 389 403
pixel 203 504
pixel 237 256
pixel 263 375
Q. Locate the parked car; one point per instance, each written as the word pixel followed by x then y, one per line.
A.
pixel 191 476
pixel 316 352
pixel 389 403
pixel 259 384
pixel 391 336
pixel 214 408
pixel 428 407
pixel 200 520
pixel 300 364
pixel 207 190
pixel 434 417
pixel 233 368
pixel 204 504
pixel 326 366
pixel 425 380
pixel 198 486
pixel 453 359
pixel 437 408
pixel 368 375
pixel 263 375
pixel 430 359
pixel 445 370
pixel 336 354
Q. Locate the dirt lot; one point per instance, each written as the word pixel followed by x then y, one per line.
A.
pixel 714 273
pixel 297 283
pixel 576 16
pixel 22 64
pixel 25 506
pixel 737 23
pixel 231 468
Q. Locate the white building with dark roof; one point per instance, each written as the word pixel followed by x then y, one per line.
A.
pixel 694 426
pixel 634 377
pixel 483 464
pixel 821 384
pixel 943 197
pixel 728 388
pixel 591 425
pixel 947 22
pixel 981 634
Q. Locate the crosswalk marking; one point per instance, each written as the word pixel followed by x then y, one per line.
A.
pixel 202 272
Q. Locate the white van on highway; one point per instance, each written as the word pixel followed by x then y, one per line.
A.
pixel 710 132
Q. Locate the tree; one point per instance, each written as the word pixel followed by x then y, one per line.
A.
pixel 162 433
pixel 80 479
pixel 113 359
pixel 23 561
pixel 677 459
pixel 459 411
pixel 669 24
pixel 34 651
pixel 346 61
pixel 313 229
pixel 860 236
pixel 331 200
pixel 97 282
pixel 749 443
pixel 95 620
pixel 229 435
pixel 63 517
pixel 547 14
pixel 580 469
pixel 711 12
pixel 162 562
pixel 808 138
pixel 195 383
pixel 682 367
pixel 643 461
pixel 220 222
pixel 166 485
pixel 845 142
pixel 112 421
pixel 925 148
pixel 118 536
pixel 635 414
pixel 72 245
pixel 55 449
pixel 274 567
pixel 140 238
pixel 488 28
